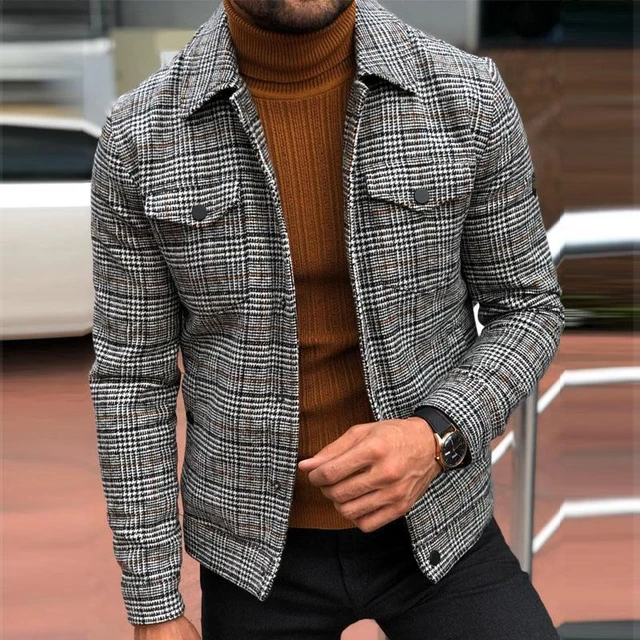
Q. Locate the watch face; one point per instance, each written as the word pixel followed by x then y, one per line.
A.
pixel 454 449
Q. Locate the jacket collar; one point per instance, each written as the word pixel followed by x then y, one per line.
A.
pixel 209 64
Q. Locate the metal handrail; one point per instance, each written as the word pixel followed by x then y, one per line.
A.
pixel 571 378
pixel 586 509
pixel 578 234
pixel 594 233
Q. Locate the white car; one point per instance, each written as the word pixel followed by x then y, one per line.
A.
pixel 47 284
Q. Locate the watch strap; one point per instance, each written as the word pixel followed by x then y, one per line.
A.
pixel 440 423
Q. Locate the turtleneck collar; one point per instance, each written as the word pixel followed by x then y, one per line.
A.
pixel 276 63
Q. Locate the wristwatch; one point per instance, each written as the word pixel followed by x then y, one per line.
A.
pixel 452 450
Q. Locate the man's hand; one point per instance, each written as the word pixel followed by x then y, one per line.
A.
pixel 375 472
pixel 177 629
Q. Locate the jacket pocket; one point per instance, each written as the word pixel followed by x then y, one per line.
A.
pixel 201 231
pixel 412 220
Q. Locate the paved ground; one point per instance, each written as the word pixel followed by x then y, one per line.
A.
pixel 60 578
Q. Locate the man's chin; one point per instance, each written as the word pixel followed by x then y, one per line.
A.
pixel 299 16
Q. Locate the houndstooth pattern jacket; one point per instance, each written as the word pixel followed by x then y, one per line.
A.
pixel 191 252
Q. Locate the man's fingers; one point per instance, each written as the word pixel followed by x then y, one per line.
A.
pixel 353 486
pixel 359 507
pixel 355 460
pixel 336 448
pixel 374 509
pixel 378 518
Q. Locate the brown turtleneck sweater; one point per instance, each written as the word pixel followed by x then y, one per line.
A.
pixel 300 85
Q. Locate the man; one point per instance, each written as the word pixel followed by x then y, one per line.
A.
pixel 307 201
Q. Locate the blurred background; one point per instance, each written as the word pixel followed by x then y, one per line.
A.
pixel 571 67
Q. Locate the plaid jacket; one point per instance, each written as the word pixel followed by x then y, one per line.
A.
pixel 440 211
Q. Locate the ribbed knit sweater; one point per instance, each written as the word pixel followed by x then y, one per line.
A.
pixel 300 85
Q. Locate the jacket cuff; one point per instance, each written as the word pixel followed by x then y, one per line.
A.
pixel 151 602
pixel 467 401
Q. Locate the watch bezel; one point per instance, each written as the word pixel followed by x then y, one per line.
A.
pixel 444 439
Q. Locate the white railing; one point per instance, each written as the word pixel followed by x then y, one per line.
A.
pixel 576 235
pixel 586 509
pixel 572 378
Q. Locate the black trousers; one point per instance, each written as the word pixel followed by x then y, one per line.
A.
pixel 329 579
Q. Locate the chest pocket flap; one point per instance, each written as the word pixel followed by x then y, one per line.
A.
pixel 420 183
pixel 196 205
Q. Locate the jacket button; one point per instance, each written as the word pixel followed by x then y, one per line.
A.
pixel 434 558
pixel 199 212
pixel 189 417
pixel 421 195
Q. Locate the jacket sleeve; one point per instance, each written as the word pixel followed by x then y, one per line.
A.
pixel 134 382
pixel 509 271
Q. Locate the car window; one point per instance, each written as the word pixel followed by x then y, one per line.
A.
pixel 40 154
